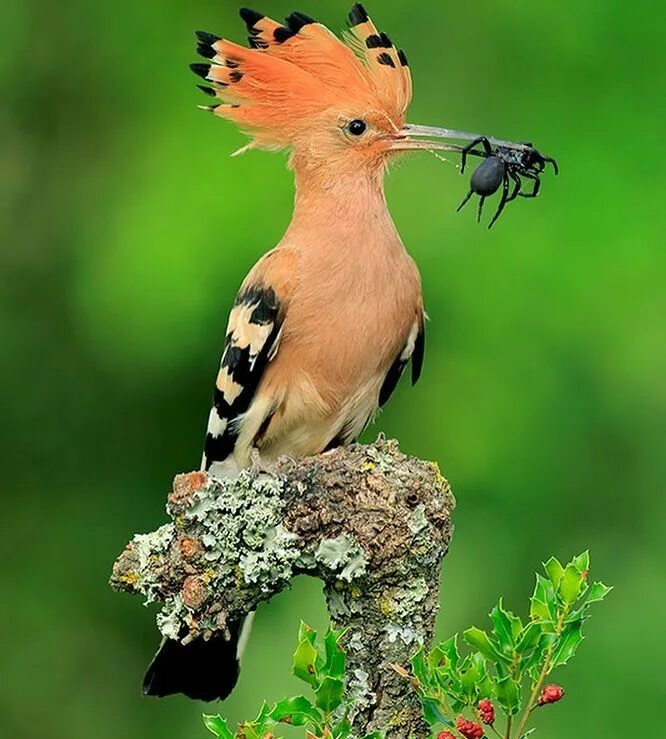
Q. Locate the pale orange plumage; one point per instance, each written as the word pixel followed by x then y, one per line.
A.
pixel 347 296
pixel 325 323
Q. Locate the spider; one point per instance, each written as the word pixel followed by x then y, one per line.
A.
pixel 500 166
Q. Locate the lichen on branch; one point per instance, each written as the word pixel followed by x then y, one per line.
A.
pixel 372 523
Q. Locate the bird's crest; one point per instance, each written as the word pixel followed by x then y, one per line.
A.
pixel 294 72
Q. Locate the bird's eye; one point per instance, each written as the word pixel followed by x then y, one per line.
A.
pixel 357 127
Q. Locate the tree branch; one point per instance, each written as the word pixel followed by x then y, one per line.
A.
pixel 372 523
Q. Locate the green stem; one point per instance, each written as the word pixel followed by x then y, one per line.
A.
pixel 545 670
pixel 449 714
pixel 509 723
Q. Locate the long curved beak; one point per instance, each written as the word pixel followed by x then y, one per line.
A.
pixel 414 137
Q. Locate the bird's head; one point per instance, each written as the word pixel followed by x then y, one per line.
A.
pixel 338 104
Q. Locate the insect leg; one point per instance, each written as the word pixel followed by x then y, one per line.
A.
pixel 503 201
pixel 469 149
pixel 535 187
pixel 517 185
pixel 482 200
pixel 466 198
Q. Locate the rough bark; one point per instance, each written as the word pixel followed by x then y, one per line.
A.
pixel 372 523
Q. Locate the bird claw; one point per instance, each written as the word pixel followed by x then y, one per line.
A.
pixel 258 464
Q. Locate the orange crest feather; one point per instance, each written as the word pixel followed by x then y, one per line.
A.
pixel 299 70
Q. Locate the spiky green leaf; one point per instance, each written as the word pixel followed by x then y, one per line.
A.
pixel 554 570
pixel 218 726
pixel 328 695
pixel 296 711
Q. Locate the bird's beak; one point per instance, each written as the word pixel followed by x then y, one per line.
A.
pixel 414 137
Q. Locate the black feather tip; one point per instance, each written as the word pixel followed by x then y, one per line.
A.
pixel 386 59
pixel 296 21
pixel 251 17
pixel 207 90
pixel 357 15
pixel 386 41
pixel 206 51
pixel 282 34
pixel 200 69
pixel 403 58
pixel 206 38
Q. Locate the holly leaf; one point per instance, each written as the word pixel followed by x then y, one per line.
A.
pixel 582 562
pixel 568 643
pixel 296 711
pixel 571 585
pixel 342 729
pixel 334 665
pixel 218 726
pixel 542 602
pixel 529 637
pixel 508 695
pixel 432 711
pixel 480 640
pixel 598 591
pixel 421 669
pixel 306 632
pixel 506 627
pixel 328 695
pixel 554 570
pixel 251 731
pixel 449 651
pixel 305 662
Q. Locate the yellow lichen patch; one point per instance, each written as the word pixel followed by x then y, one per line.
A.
pixel 441 480
pixel 387 606
pixel 209 575
pixel 131 578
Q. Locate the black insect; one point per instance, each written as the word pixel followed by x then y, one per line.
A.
pixel 504 165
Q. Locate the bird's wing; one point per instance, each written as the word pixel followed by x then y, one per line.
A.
pixel 252 341
pixel 414 349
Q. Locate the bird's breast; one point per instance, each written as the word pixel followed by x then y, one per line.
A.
pixel 349 317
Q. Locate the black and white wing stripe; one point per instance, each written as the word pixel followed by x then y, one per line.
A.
pixel 414 349
pixel 252 339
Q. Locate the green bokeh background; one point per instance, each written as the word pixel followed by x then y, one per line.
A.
pixel 125 230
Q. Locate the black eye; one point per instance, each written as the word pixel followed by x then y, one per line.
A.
pixel 357 127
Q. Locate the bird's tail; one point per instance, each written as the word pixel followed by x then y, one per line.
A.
pixel 204 670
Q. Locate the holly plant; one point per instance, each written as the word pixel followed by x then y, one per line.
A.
pixel 320 664
pixel 507 666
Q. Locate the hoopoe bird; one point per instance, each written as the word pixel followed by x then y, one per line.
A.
pixel 325 323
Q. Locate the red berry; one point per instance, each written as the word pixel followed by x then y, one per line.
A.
pixel 445 735
pixel 550 694
pixel 487 712
pixel 469 729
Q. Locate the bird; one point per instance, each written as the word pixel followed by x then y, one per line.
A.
pixel 325 323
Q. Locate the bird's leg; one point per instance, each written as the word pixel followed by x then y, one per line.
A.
pixel 465 199
pixel 469 150
pixel 503 201
pixel 258 463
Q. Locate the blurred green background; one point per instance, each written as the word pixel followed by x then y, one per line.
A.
pixel 125 229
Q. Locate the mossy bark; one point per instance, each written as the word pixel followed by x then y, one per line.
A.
pixel 371 522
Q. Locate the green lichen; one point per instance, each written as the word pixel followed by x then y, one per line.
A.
pixel 146 547
pixel 342 555
pixel 237 520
